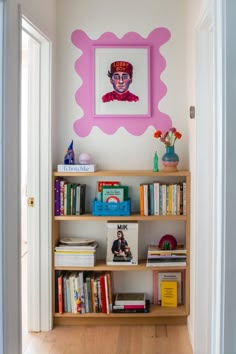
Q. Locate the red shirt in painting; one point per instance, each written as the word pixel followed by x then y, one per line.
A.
pixel 126 96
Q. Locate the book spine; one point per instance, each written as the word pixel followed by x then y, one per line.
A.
pixel 78 199
pixel 88 281
pixel 156 186
pixel 60 294
pixel 68 293
pixel 103 293
pixel 108 275
pixel 57 197
pixel 184 198
pixel 141 199
pixel 82 198
pixel 145 195
pixel 151 198
pixel 68 199
pixel 62 183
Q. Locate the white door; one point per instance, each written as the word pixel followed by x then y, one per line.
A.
pixel 36 167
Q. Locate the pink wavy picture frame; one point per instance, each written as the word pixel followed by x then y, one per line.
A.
pixel 84 94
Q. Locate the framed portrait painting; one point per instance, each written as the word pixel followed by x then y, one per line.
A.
pixel 121 81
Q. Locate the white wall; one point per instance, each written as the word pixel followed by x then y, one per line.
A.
pixel 127 151
pixel 42 14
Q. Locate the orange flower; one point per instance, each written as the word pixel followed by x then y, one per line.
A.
pixel 178 135
pixel 169 137
pixel 157 134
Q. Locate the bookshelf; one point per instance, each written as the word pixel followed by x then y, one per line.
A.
pixel 157 314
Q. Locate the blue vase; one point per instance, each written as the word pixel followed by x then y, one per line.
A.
pixel 170 159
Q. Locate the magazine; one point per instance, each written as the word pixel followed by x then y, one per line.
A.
pixel 122 243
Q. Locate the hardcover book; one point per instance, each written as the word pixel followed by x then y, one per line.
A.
pixel 100 184
pixel 130 299
pixel 114 194
pixel 122 243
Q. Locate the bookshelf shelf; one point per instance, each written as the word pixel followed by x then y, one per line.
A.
pixel 133 217
pixel 101 265
pixel 157 314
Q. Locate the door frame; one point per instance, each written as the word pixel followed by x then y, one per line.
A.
pixel 39 222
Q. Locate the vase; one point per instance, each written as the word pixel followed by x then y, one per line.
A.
pixel 170 159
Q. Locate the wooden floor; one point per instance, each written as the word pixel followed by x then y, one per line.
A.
pixel 103 339
pixel 111 340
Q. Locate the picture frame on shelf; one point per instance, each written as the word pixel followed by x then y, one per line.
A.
pixel 121 81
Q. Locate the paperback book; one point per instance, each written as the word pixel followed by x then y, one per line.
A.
pixel 76 168
pixel 122 243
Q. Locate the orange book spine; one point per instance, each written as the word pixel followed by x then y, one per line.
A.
pixel 141 199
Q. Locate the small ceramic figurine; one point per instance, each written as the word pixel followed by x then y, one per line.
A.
pixel 69 158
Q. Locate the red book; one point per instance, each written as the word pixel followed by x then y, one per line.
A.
pixel 103 293
pixel 60 296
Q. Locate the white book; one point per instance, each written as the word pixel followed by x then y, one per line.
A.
pixel 78 199
pixel 61 260
pixel 156 198
pixel 145 199
pixel 122 243
pixel 174 199
pixel 72 291
pixel 76 168
pixel 164 211
pixel 166 264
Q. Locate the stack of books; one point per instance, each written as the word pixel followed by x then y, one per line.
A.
pixel 75 252
pixel 157 257
pixel 130 303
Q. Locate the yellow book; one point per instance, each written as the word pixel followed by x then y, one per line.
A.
pixel 169 293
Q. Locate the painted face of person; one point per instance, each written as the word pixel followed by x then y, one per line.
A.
pixel 120 81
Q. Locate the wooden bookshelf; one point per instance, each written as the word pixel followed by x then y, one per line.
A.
pixel 157 314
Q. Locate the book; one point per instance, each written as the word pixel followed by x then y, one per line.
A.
pixel 141 199
pixel 156 186
pixel 150 199
pixel 166 262
pixel 71 259
pixel 159 276
pixel 77 241
pixel 76 168
pixel 158 257
pixel 168 293
pixel 132 309
pixel 130 299
pixel 122 243
pixel 57 196
pixel 100 184
pixel 114 194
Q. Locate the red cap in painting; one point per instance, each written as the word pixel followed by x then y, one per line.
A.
pixel 123 66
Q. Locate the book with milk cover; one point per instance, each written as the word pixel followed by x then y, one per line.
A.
pixel 122 243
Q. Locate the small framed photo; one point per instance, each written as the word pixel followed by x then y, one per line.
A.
pixel 121 81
